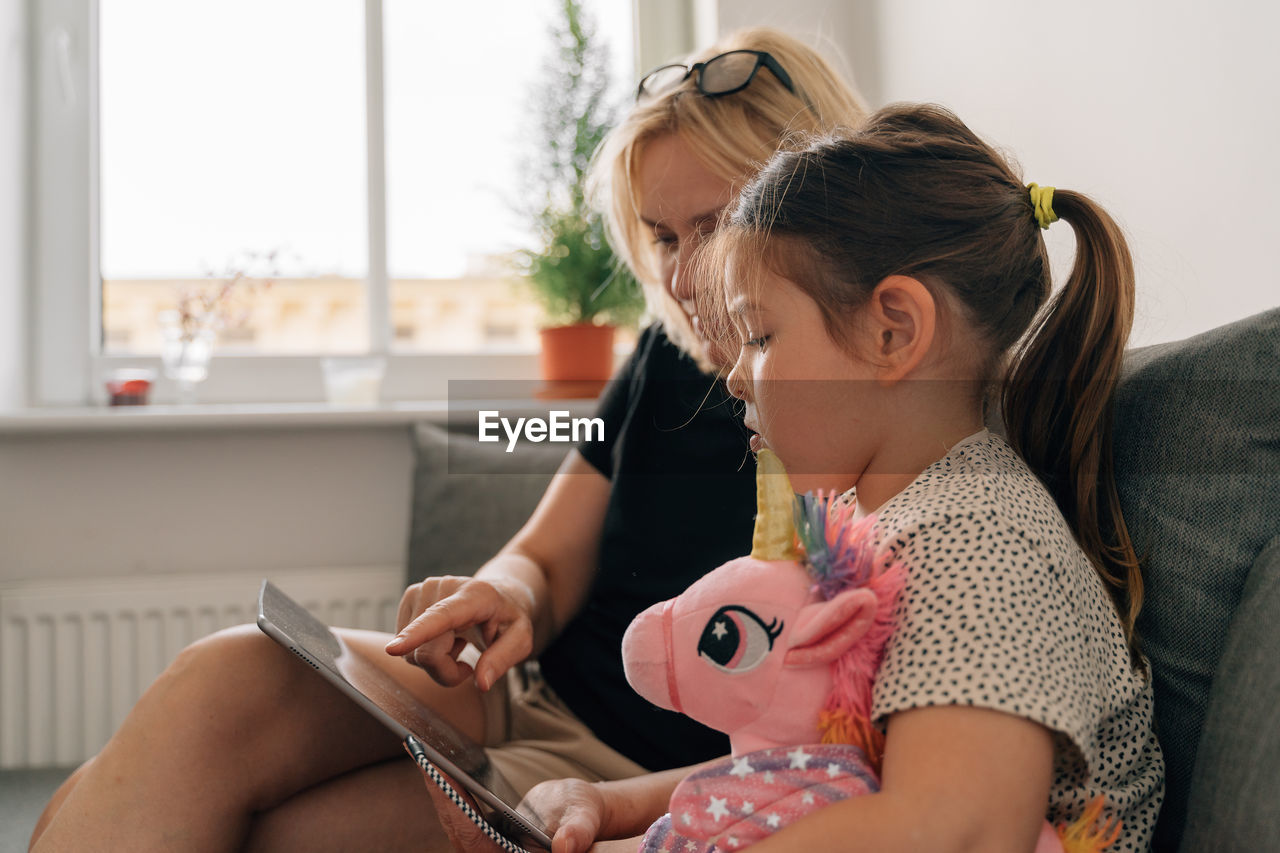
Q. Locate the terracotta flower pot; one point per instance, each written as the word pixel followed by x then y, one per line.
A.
pixel 576 360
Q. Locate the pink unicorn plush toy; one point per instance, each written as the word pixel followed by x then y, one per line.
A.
pixel 780 651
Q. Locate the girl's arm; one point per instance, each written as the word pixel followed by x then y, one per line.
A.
pixel 954 779
pixel 522 598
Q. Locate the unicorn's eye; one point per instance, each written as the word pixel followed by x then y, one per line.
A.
pixel 737 640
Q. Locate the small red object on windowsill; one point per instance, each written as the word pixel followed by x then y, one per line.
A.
pixel 129 386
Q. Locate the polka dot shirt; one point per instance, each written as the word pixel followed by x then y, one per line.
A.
pixel 1003 610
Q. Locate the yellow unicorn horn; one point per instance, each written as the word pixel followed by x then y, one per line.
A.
pixel 775 533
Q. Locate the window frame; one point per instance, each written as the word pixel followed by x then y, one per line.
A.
pixel 67 365
pixel 68 362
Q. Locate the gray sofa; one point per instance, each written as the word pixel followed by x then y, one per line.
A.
pixel 1198 463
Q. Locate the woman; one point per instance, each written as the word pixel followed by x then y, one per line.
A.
pixel 236 745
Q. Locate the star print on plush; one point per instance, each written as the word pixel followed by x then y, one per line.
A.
pixel 718 808
pixel 719 631
pixel 752 795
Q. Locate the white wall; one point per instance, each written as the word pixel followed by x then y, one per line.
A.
pixel 111 504
pixel 13 192
pixel 1166 112
pixel 843 30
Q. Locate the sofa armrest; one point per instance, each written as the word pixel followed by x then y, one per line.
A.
pixel 1236 786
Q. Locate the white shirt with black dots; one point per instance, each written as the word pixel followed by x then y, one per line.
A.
pixel 1002 610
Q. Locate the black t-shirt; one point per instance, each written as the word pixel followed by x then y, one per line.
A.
pixel 682 502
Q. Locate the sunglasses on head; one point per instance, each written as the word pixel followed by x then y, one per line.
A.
pixel 720 75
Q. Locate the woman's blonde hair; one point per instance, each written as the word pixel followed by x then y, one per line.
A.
pixel 733 136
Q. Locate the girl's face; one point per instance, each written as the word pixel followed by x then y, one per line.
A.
pixel 808 399
pixel 680 201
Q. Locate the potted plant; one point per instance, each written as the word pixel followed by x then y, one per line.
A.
pixel 584 290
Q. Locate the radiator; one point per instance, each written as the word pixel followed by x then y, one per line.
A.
pixel 75 655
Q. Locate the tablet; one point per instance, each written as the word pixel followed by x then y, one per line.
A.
pixel 292 626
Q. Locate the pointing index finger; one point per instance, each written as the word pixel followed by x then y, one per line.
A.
pixel 440 618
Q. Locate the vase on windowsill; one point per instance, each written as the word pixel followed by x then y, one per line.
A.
pixel 185 351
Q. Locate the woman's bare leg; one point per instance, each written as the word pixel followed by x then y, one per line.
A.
pixel 235 727
pixel 55 802
pixel 394 807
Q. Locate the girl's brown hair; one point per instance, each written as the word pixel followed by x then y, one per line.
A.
pixel 915 192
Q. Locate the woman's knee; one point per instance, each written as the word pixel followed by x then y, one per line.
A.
pixel 229 647
pixel 238 671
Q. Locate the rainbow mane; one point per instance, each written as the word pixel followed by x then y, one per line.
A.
pixel 840 554
pixel 833 542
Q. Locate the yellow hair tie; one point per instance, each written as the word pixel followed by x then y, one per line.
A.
pixel 1042 200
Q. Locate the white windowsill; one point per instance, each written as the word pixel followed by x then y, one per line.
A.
pixel 221 416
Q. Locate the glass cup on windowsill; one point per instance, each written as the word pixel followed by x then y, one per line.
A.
pixel 353 380
pixel 185 350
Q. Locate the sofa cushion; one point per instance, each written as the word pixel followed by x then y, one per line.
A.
pixel 1197 452
pixel 469 498
pixel 1236 789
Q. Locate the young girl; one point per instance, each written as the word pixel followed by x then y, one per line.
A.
pixel 875 283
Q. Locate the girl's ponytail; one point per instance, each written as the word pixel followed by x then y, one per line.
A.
pixel 1057 396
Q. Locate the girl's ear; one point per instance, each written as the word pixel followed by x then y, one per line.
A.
pixel 903 317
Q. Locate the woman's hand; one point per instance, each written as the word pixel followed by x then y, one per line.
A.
pixel 572 810
pixel 518 601
pixel 437 615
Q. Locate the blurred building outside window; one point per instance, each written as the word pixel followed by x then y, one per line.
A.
pixel 240 127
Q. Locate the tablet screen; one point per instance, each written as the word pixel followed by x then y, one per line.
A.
pixel 294 627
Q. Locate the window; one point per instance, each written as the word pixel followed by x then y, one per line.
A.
pixel 251 141
pixel 369 179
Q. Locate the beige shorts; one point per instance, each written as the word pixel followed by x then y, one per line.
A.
pixel 531 735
